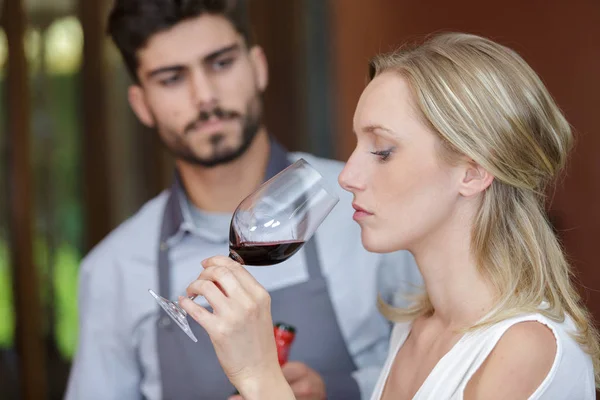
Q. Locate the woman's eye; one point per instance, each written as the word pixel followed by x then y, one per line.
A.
pixel 383 154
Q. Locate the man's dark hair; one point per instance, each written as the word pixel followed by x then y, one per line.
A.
pixel 132 23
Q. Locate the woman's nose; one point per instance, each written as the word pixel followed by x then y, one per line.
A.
pixel 351 178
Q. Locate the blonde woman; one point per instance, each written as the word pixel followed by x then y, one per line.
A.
pixel 457 140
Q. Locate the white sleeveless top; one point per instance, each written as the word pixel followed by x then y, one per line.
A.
pixel 571 375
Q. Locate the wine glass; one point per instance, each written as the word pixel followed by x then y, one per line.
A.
pixel 272 224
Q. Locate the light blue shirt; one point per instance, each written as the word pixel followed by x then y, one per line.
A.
pixel 117 355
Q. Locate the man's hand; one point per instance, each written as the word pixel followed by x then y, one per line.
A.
pixel 306 383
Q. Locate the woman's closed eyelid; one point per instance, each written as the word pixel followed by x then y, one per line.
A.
pixel 383 154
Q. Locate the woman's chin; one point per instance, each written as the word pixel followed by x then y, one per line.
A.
pixel 371 243
pixel 377 244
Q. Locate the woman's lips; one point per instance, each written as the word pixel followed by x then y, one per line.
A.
pixel 360 213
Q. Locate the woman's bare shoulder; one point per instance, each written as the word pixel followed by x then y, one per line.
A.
pixel 517 365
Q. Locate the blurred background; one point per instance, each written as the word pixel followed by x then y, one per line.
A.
pixel 75 162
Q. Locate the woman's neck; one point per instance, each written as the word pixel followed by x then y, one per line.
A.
pixel 459 293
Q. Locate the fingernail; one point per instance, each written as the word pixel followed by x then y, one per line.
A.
pixel 180 298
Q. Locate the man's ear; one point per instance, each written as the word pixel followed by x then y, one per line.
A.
pixel 137 101
pixel 476 179
pixel 261 67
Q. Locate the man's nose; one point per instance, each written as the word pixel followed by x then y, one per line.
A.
pixel 202 91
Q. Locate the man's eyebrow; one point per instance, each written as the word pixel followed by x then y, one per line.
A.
pixel 216 54
pixel 207 59
pixel 162 70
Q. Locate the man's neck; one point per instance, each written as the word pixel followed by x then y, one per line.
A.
pixel 222 188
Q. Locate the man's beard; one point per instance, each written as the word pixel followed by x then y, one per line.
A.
pixel 250 122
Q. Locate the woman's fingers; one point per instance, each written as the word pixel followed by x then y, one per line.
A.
pixel 220 260
pixel 248 282
pixel 207 288
pixel 220 284
pixel 226 280
pixel 200 314
pixel 246 298
pixel 223 277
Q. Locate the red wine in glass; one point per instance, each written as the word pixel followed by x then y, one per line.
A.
pixel 273 223
pixel 260 254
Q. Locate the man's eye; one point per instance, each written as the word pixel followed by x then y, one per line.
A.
pixel 172 80
pixel 222 64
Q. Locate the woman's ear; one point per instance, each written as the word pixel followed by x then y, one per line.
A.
pixel 476 179
pixel 137 101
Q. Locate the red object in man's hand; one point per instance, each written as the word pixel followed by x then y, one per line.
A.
pixel 284 336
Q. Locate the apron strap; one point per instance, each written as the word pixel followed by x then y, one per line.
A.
pixel 169 218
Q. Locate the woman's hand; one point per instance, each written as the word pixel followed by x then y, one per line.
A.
pixel 240 327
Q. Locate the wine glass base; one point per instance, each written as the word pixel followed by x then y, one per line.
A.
pixel 175 312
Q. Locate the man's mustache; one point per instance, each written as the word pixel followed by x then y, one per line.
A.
pixel 204 116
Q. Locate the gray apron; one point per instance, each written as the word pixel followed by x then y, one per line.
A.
pixel 191 370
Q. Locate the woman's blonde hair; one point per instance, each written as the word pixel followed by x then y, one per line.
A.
pixel 485 102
